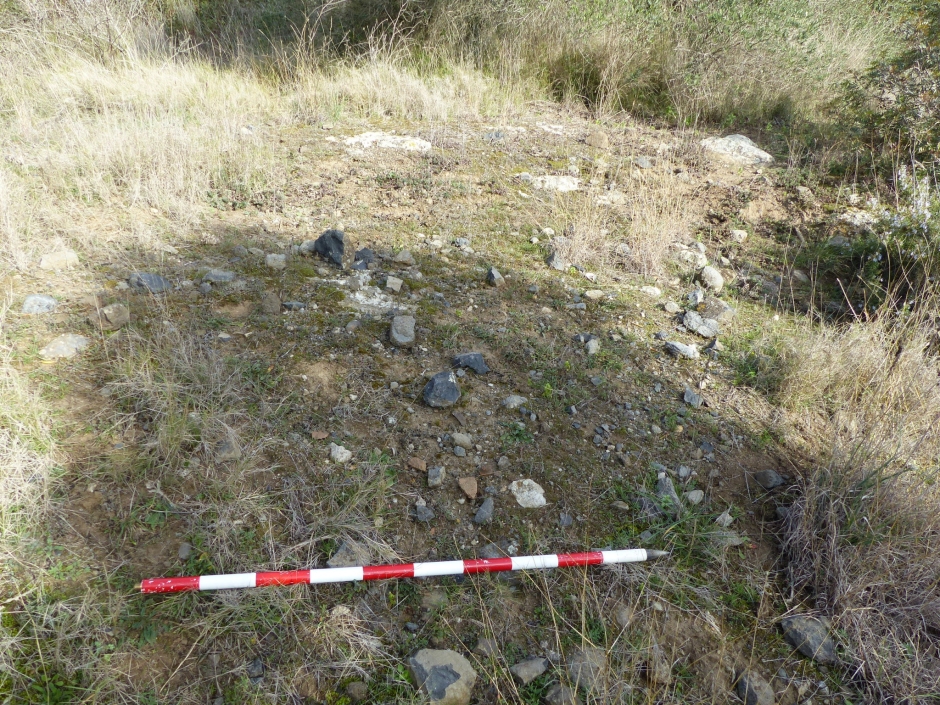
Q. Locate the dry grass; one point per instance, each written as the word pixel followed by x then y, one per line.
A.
pixel 864 535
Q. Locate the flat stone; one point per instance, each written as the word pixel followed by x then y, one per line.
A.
pixel 494 278
pixel 725 519
pixel 726 538
pixel 460 452
pixel 485 513
pixel 393 284
pixel 441 390
pixel 331 246
pixel 528 493
pixel 404 257
pixel 514 401
pixel 434 599
pixel 651 291
pixel 422 513
pixel 185 551
pixel 472 361
pixel 811 637
pixel 462 440
pixel 643 163
pixel 275 261
pixel 444 676
pixel 711 279
pixel 349 554
pixel 228 450
pixel 36 304
pixel 594 294
pixel 469 486
pixel 754 690
pixel 768 479
pixel 255 670
pixel 487 647
pixel 692 398
pixel 695 496
pixel 436 476
pixel 598 140
pixel 705 327
pixel 402 331
pixel 64 346
pixel 557 262
pixel 153 283
pixel 365 255
pixel 560 694
pixel 417 464
pixel 682 350
pixel 587 668
pixel 110 317
pixel 716 309
pixel 527 671
pixel 218 276
pixel 61 259
pixel 339 454
pixel 294 305
pixel 738 149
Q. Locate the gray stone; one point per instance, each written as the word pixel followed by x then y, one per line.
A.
pixel 768 479
pixel 682 350
pixel 349 553
pixel 711 279
pixel 339 454
pixel 705 327
pixel 294 305
pixel 557 262
pixel 62 259
pixel 514 401
pixel 726 538
pixel 35 304
pixel 593 346
pixel 460 452
pixel 528 493
pixel 473 361
pixel 185 551
pixel 487 648
pixel 365 255
pixel 422 513
pixel 275 261
pixel 811 637
pixel 696 298
pixel 485 512
pixel 404 257
pixel 716 309
pixel 695 496
pixel 205 288
pixel 110 317
pixel 754 690
pixel 153 283
pixel 565 520
pixel 393 284
pixel 672 307
pixel 444 676
pixel 658 669
pixel 665 490
pixel 738 149
pixel 494 278
pixel 64 346
pixel 229 449
pixel 692 398
pixel 739 235
pixel 624 614
pixel 696 260
pixel 587 668
pixel 725 519
pixel 331 246
pixel 402 331
pixel 651 291
pixel 256 670
pixel 218 276
pixel 643 162
pixel 240 251
pixel 441 390
pixel 462 440
pixel 560 694
pixel 527 671
pixel 436 476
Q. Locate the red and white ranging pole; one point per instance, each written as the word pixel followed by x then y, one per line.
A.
pixel 402 570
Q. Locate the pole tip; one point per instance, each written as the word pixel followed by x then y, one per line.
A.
pixel 140 585
pixel 650 553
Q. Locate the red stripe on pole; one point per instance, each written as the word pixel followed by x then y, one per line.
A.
pixel 282 577
pixel 486 565
pixel 382 572
pixel 154 585
pixel 569 560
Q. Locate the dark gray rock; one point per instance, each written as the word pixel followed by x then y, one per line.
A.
pixel 153 283
pixel 256 670
pixel 441 390
pixel 331 246
pixel 472 361
pixel 349 553
pixel 494 278
pixel 557 262
pixel 682 350
pixel 692 398
pixel 768 479
pixel 422 513
pixel 649 510
pixel 705 327
pixel 527 671
pixel 436 476
pixel 294 305
pixel 402 331
pixel 754 690
pixel 565 520
pixel 365 255
pixel 716 309
pixel 35 304
pixel 811 637
pixel 444 676
pixel 485 512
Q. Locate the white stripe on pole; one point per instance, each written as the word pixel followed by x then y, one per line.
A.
pixel 629 555
pixel 427 570
pixel 226 582
pixel 335 575
pixel 534 562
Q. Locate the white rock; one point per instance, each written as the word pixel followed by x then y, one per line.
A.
pixel 462 440
pixel 62 259
pixel 737 148
pixel 711 279
pixel 274 261
pixel 528 493
pixel 651 291
pixel 739 235
pixel 393 284
pixel 339 454
pixel 724 521
pixel 562 184
pixel 693 258
pixel 593 346
pixel 384 140
pixel 695 496
pixel 514 401
pixel 594 294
